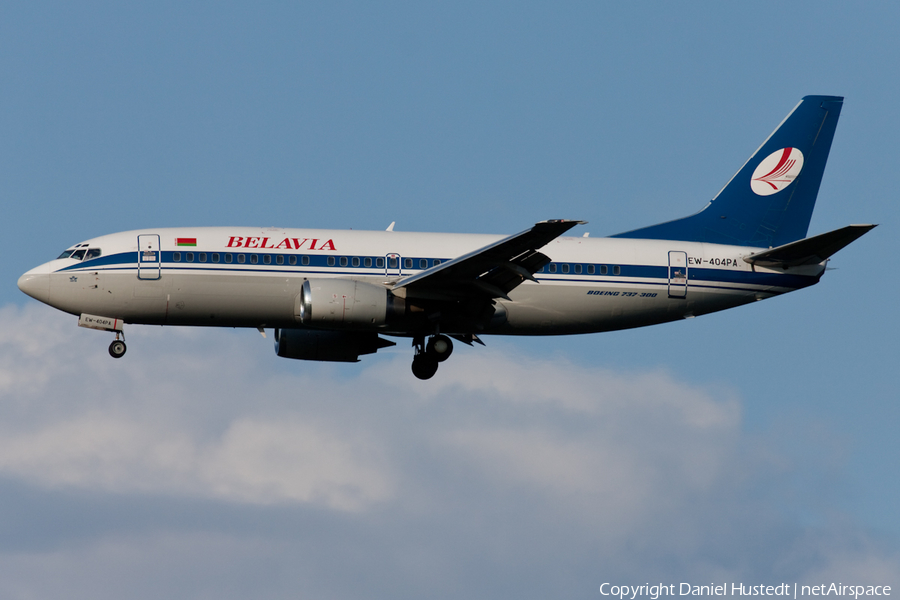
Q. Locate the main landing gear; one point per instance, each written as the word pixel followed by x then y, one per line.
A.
pixel 437 350
pixel 117 348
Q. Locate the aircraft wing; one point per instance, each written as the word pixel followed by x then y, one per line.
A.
pixel 489 272
pixel 810 251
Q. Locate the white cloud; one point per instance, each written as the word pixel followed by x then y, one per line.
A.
pixel 615 448
pixel 126 426
pixel 534 469
pixel 271 462
pixel 261 462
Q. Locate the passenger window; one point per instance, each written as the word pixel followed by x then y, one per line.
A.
pixel 604 269
pixel 279 260
pixel 203 257
pixel 565 268
pixel 215 257
pixel 423 263
pixel 305 260
pixel 577 269
pixel 379 263
pixel 189 256
pixel 393 262
pixel 367 261
pixel 254 259
pixel 292 260
pixel 228 257
pixel 617 270
pixel 552 267
pixel 407 263
pixel 343 261
pixel 355 261
pixel 176 257
pixel 241 258
pixel 590 269
pixel 267 259
pixel 437 261
pixel 330 261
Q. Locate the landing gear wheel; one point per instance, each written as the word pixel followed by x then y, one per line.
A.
pixel 440 347
pixel 117 349
pixel 424 366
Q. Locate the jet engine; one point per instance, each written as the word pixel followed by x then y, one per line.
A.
pixel 345 302
pixel 336 346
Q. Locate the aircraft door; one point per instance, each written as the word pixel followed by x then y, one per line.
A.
pixel 392 265
pixel 678 274
pixel 149 256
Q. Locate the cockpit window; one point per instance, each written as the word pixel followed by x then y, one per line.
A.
pixel 81 254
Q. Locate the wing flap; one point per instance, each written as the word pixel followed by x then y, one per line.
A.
pixel 489 272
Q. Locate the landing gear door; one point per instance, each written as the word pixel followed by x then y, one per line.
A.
pixel 678 274
pixel 149 256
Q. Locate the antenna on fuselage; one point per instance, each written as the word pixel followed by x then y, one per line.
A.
pixel 391 226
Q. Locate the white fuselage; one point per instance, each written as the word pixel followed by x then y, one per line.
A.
pixel 251 277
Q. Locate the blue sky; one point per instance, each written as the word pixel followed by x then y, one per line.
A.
pixel 755 443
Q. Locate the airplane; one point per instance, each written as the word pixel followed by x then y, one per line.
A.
pixel 330 295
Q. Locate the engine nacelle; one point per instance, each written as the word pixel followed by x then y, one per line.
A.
pixel 336 346
pixel 344 302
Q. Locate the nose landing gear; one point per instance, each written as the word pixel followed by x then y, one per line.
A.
pixel 425 362
pixel 117 347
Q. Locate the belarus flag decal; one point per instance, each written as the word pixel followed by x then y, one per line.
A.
pixel 185 241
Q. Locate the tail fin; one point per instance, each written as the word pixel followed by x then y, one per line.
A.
pixel 769 202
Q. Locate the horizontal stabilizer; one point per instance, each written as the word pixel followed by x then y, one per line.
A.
pixel 810 251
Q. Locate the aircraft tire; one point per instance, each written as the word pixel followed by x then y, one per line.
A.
pixel 424 366
pixel 440 347
pixel 117 349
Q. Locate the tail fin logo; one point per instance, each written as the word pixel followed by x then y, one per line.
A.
pixel 776 171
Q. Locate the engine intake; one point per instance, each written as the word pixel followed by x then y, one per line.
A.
pixel 335 346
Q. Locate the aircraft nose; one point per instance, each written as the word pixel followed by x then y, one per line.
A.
pixel 36 283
